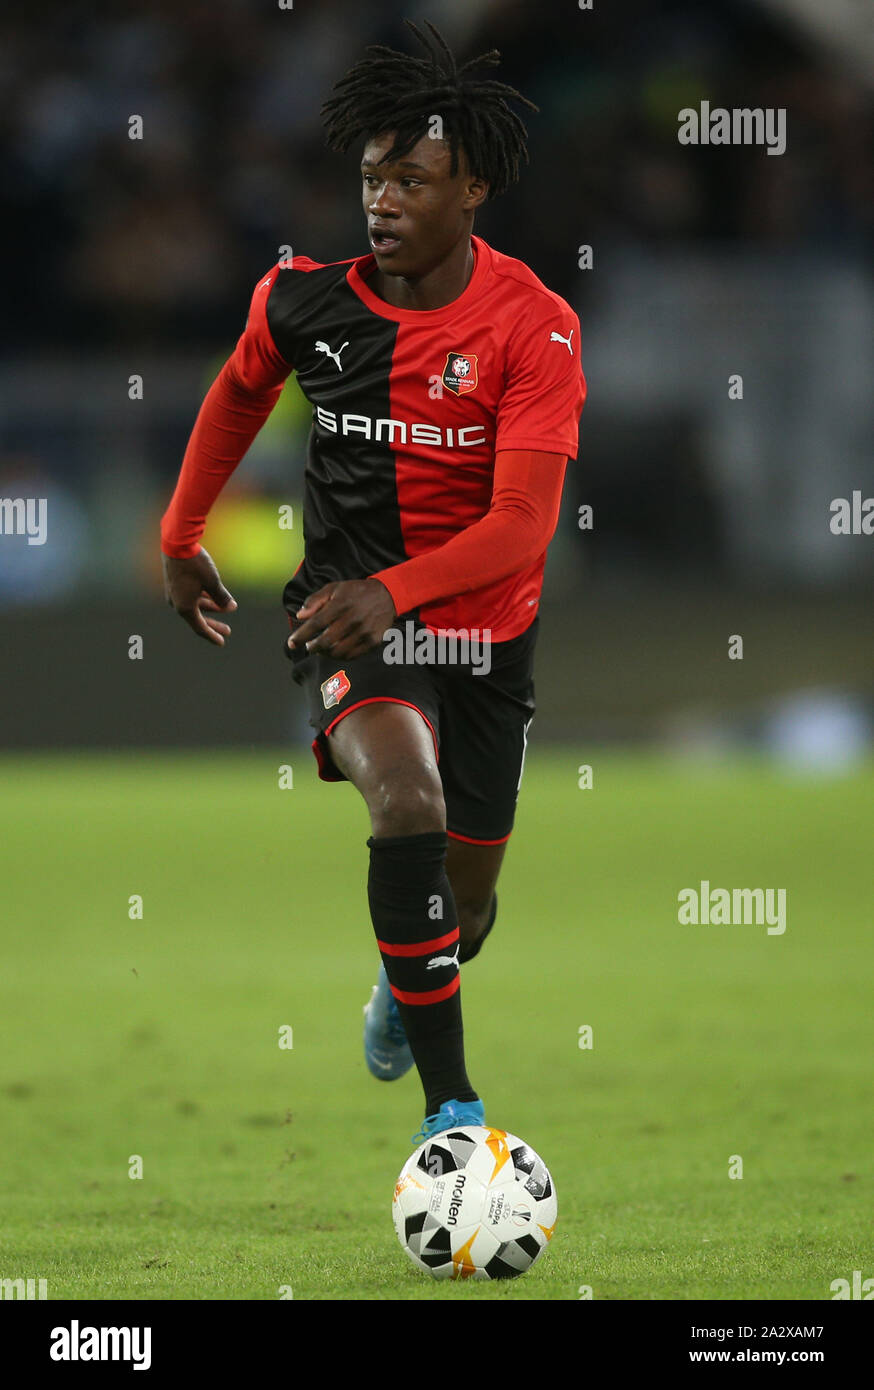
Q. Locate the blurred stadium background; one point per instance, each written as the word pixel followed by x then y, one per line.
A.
pixel 711 516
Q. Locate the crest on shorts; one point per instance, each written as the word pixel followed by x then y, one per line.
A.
pixel 334 688
pixel 459 374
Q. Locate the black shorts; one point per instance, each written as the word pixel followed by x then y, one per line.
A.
pixel 479 723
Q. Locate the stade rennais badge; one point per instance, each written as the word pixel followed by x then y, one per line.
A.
pixel 459 374
pixel 334 688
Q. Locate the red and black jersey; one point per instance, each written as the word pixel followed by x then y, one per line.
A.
pixel 409 409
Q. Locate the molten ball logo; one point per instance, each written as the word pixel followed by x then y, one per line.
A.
pixel 455 1200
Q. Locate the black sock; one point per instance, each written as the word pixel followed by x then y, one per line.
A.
pixel 468 952
pixel 416 926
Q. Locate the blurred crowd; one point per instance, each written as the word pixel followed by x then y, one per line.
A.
pixel 157 242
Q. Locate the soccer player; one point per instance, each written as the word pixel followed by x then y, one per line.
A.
pixel 446 388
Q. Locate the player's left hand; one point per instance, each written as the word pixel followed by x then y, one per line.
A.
pixel 345 619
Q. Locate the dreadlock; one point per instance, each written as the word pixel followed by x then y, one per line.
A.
pixel 391 91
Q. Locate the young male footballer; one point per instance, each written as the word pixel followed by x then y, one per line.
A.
pixel 446 388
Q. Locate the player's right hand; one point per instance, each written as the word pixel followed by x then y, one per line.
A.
pixel 194 585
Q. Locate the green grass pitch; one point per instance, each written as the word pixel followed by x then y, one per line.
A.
pixel 266 1168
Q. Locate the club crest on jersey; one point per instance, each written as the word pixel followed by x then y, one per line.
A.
pixel 459 374
pixel 334 688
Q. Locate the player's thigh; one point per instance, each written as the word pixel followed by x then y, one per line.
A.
pixel 386 750
pixel 484 723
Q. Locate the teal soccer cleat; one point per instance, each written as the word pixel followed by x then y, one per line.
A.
pixel 386 1050
pixel 451 1114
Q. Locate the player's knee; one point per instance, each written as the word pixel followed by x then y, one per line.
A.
pixel 401 804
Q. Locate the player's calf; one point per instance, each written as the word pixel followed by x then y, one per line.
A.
pixel 414 917
pixel 473 872
pixel 475 921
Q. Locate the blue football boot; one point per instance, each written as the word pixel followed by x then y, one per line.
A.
pixel 386 1050
pixel 451 1114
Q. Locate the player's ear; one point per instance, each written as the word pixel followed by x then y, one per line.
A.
pixel 475 194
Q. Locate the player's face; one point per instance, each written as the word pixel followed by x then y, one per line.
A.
pixel 417 212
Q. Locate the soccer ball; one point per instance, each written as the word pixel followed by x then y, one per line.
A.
pixel 474 1203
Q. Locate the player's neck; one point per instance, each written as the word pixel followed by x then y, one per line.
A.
pixel 434 290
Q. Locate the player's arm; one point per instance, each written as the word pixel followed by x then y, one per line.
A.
pixel 349 617
pixel 234 410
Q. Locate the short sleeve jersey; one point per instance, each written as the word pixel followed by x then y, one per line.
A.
pixel 409 410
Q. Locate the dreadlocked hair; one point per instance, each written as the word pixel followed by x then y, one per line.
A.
pixel 396 92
